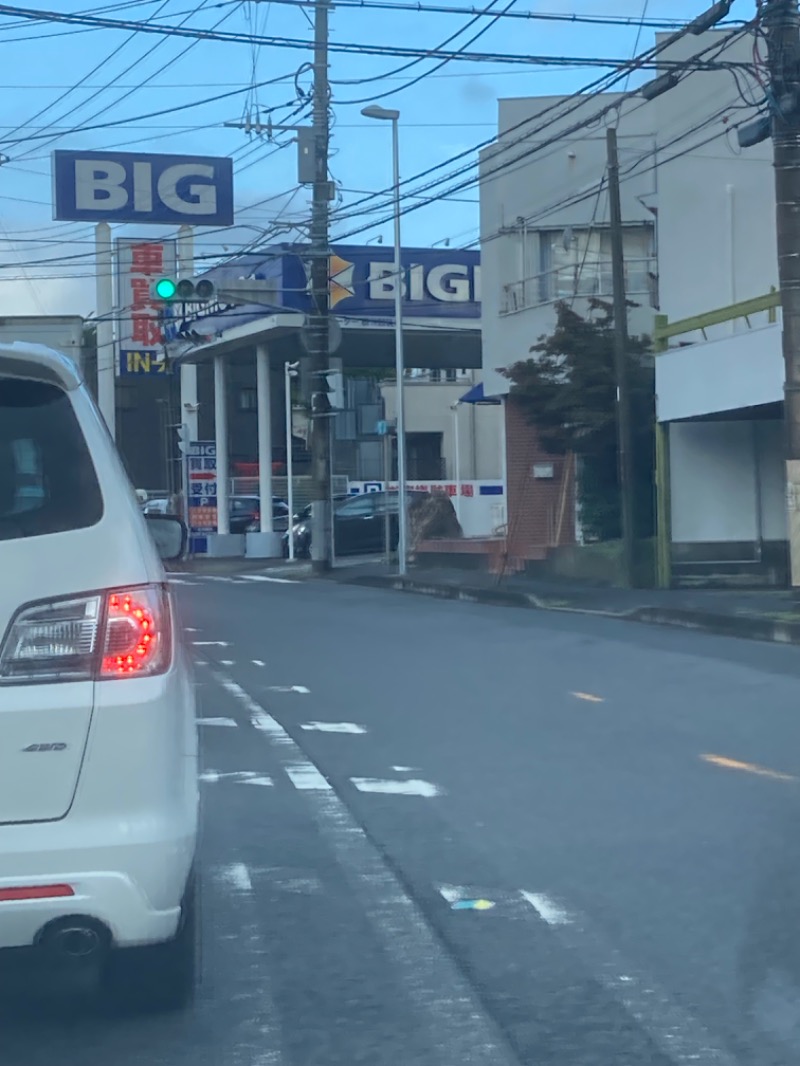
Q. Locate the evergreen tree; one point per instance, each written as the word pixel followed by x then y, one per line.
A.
pixel 568 390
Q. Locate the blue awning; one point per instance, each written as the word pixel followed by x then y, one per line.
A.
pixel 477 395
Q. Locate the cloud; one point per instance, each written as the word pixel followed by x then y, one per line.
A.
pixel 478 91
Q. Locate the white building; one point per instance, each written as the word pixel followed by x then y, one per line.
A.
pixel 447 439
pixel 699 235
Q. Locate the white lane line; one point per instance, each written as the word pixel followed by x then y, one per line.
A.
pixel 396 788
pixel 210 643
pixel 179 581
pixel 258 662
pixel 682 1038
pixel 237 876
pixel 189 629
pixel 446 1007
pixel 306 777
pixel 406 769
pixel 333 727
pixel 548 910
pixel 227 662
pixel 274 580
pixel 290 688
pixel 200 662
pixel 230 723
pixel 452 894
pixel 239 777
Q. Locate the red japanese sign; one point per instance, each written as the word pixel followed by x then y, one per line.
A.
pixel 140 263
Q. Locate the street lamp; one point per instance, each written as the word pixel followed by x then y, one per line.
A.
pixel 385 114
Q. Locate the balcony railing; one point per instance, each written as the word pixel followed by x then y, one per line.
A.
pixel 590 279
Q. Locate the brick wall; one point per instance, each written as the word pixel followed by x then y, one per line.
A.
pixel 535 504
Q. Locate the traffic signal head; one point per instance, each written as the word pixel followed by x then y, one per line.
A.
pixel 187 290
pixel 165 289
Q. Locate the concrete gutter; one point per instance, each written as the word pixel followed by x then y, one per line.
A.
pixel 747 627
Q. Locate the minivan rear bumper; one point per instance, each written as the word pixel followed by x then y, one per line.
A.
pixel 134 889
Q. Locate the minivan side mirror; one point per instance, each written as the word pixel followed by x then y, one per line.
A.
pixel 170 535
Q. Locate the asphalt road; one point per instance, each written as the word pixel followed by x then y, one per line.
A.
pixel 438 834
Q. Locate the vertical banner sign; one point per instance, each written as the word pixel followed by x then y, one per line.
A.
pixel 201 458
pixel 139 263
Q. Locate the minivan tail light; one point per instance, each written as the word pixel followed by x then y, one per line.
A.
pixel 102 636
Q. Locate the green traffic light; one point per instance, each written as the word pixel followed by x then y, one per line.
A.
pixel 165 288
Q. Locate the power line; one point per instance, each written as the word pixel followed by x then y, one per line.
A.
pixel 169 110
pixel 573 103
pixel 130 67
pixel 345 47
pixel 420 77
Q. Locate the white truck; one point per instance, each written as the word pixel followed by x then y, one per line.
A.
pixel 62 332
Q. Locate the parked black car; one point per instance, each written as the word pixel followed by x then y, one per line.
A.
pixel 359 524
pixel 245 514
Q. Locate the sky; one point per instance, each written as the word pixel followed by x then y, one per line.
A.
pixel 58 80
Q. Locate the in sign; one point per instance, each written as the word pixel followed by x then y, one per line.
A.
pixel 128 187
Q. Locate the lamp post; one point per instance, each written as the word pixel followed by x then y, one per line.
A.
pixel 454 407
pixel 289 372
pixel 385 114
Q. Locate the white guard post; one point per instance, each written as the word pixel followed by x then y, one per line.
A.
pixel 264 544
pixel 223 542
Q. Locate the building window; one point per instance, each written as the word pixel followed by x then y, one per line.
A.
pixel 578 262
pixel 248 399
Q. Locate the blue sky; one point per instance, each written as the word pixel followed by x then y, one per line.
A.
pixel 448 112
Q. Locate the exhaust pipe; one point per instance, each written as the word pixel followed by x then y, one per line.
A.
pixel 75 939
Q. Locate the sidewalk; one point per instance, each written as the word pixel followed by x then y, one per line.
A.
pixel 765 614
pixel 201 564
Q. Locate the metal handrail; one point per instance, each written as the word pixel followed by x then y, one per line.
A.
pixel 590 278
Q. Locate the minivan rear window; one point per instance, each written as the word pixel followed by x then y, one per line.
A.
pixel 48 482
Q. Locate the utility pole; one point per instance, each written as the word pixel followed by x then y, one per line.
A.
pixel 106 370
pixel 621 360
pixel 781 24
pixel 319 344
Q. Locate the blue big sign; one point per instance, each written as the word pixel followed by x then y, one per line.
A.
pixel 128 187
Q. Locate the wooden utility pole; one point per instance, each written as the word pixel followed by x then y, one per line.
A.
pixel 621 361
pixel 781 25
pixel 319 343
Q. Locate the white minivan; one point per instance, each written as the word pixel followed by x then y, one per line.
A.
pixel 98 739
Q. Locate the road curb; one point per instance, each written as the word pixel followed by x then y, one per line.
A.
pixel 746 627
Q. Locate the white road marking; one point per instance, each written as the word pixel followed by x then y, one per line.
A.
pixel 264 577
pixel 227 662
pixel 239 777
pixel 200 662
pixel 188 629
pixel 333 727
pixel 547 909
pixel 238 877
pixel 446 1007
pixel 396 788
pixel 210 643
pixel 682 1038
pixel 258 662
pixel 231 723
pixel 179 581
pixel 451 893
pixel 406 769
pixel 306 777
pixel 290 688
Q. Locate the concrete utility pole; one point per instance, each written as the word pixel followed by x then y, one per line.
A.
pixel 320 305
pixel 106 370
pixel 781 23
pixel 621 359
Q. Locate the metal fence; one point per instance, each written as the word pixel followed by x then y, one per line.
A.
pixel 303 487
